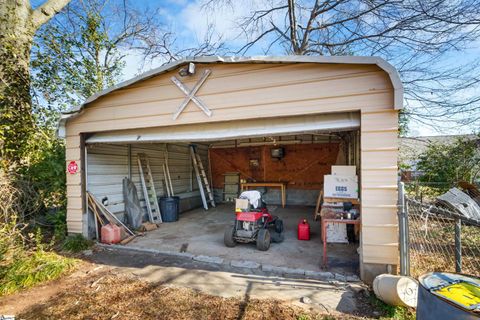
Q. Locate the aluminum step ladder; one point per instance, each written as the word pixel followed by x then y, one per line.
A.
pixel 202 179
pixel 148 187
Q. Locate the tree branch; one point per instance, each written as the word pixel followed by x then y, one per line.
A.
pixel 46 11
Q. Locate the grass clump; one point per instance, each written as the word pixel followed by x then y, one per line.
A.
pixel 76 243
pixel 25 260
pixel 393 312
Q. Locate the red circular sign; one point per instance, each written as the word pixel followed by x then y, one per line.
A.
pixel 72 167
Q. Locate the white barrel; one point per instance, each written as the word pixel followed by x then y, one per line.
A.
pixel 396 290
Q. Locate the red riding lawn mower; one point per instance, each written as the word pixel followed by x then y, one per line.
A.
pixel 252 223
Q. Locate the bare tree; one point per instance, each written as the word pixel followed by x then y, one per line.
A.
pixel 417 36
pixel 164 45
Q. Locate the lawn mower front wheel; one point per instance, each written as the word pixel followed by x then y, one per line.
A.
pixel 263 240
pixel 229 237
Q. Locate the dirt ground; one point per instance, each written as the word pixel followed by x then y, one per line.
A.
pixel 102 291
pixel 122 297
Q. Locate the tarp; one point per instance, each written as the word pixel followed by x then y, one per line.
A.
pixel 133 210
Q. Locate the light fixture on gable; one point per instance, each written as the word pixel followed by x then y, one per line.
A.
pixel 188 70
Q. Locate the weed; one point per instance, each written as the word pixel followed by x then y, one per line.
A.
pixel 76 243
pixel 392 312
pixel 24 260
pixel 32 269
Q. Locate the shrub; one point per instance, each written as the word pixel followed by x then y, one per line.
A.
pixel 76 243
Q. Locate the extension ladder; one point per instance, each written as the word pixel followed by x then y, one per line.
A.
pixel 148 187
pixel 201 178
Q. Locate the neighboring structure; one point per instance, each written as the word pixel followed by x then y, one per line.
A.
pixel 243 98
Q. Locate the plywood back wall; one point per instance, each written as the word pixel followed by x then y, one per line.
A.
pixel 303 166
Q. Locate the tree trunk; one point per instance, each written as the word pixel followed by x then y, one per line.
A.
pixel 18 23
pixel 16 120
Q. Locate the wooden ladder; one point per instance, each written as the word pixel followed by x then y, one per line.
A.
pixel 148 187
pixel 201 178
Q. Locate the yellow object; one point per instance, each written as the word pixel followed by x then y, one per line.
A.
pixel 464 294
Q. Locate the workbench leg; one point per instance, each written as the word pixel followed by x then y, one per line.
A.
pixel 324 239
pixel 284 197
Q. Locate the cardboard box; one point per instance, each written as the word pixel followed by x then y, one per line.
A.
pixel 336 186
pixel 344 170
pixel 241 205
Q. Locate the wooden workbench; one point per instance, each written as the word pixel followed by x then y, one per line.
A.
pixel 282 185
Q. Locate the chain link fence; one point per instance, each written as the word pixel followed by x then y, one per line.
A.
pixel 435 239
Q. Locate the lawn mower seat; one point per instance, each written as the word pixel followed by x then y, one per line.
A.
pixel 254 198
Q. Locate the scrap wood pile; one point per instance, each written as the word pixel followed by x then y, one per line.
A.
pixel 104 217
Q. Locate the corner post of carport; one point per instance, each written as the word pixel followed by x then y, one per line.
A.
pixel 76 184
pixel 379 172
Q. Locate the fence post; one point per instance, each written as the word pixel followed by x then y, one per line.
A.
pixel 458 245
pixel 403 231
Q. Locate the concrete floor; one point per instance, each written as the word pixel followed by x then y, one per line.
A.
pixel 200 232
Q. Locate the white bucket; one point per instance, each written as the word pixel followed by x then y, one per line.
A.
pixel 396 290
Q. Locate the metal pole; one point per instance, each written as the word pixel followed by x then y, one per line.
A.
pixel 401 229
pixel 407 233
pixel 458 245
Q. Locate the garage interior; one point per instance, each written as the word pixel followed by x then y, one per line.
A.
pixel 307 157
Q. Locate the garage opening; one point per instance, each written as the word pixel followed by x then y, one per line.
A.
pixel 299 160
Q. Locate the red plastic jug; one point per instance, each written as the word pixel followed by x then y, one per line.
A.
pixel 110 234
pixel 303 230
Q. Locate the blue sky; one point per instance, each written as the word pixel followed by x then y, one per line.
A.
pixel 190 25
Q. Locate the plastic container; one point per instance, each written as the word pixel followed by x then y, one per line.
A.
pixel 443 295
pixel 110 234
pixel 396 290
pixel 303 230
pixel 169 208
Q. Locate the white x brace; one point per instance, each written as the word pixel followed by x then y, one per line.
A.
pixel 190 95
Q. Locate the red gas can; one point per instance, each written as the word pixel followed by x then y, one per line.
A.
pixel 303 230
pixel 110 234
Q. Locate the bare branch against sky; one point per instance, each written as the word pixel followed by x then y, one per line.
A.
pixel 424 39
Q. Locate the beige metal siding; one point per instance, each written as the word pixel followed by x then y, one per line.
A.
pixel 379 153
pixel 108 165
pixel 278 90
pixel 75 206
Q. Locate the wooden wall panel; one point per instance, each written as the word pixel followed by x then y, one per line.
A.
pixel 303 166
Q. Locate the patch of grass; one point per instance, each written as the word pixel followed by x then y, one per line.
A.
pixel 32 269
pixel 76 243
pixel 392 312
pixel 25 259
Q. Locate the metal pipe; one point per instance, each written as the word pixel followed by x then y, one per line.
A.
pixel 403 231
pixel 458 245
